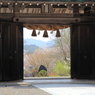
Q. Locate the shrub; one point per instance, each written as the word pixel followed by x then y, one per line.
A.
pixel 42 73
pixel 34 72
pixel 62 69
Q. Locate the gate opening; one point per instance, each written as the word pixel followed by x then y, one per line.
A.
pixel 46 56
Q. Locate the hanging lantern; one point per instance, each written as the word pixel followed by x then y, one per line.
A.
pixel 45 34
pixel 34 33
pixel 58 33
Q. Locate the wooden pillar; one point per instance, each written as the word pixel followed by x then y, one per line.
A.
pixel 50 8
pixel 0 53
pixel 42 8
pixel 16 10
pixel 76 10
pixel 83 51
pixel 11 45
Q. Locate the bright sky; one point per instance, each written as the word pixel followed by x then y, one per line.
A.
pixel 27 34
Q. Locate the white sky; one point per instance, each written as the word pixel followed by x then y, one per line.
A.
pixel 27 34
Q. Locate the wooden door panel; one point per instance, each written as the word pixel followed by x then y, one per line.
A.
pixel 6 62
pixel 12 51
pixel 82 49
pixel 0 53
pixel 74 48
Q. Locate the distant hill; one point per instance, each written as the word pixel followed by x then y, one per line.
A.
pixel 30 45
pixel 30 48
pixel 38 43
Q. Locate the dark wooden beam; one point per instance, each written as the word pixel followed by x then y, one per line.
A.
pixel 47 20
pixel 44 15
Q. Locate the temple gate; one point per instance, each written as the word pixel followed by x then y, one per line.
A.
pixel 79 15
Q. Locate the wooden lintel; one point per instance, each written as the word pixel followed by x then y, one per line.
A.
pixel 45 15
pixel 47 20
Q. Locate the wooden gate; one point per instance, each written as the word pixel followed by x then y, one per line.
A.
pixel 11 51
pixel 83 51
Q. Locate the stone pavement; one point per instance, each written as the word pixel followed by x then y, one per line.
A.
pixel 68 89
pixel 48 86
pixel 21 90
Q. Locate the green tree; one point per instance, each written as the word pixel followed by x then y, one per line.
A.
pixel 62 68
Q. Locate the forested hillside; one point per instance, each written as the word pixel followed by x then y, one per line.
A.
pixel 30 48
